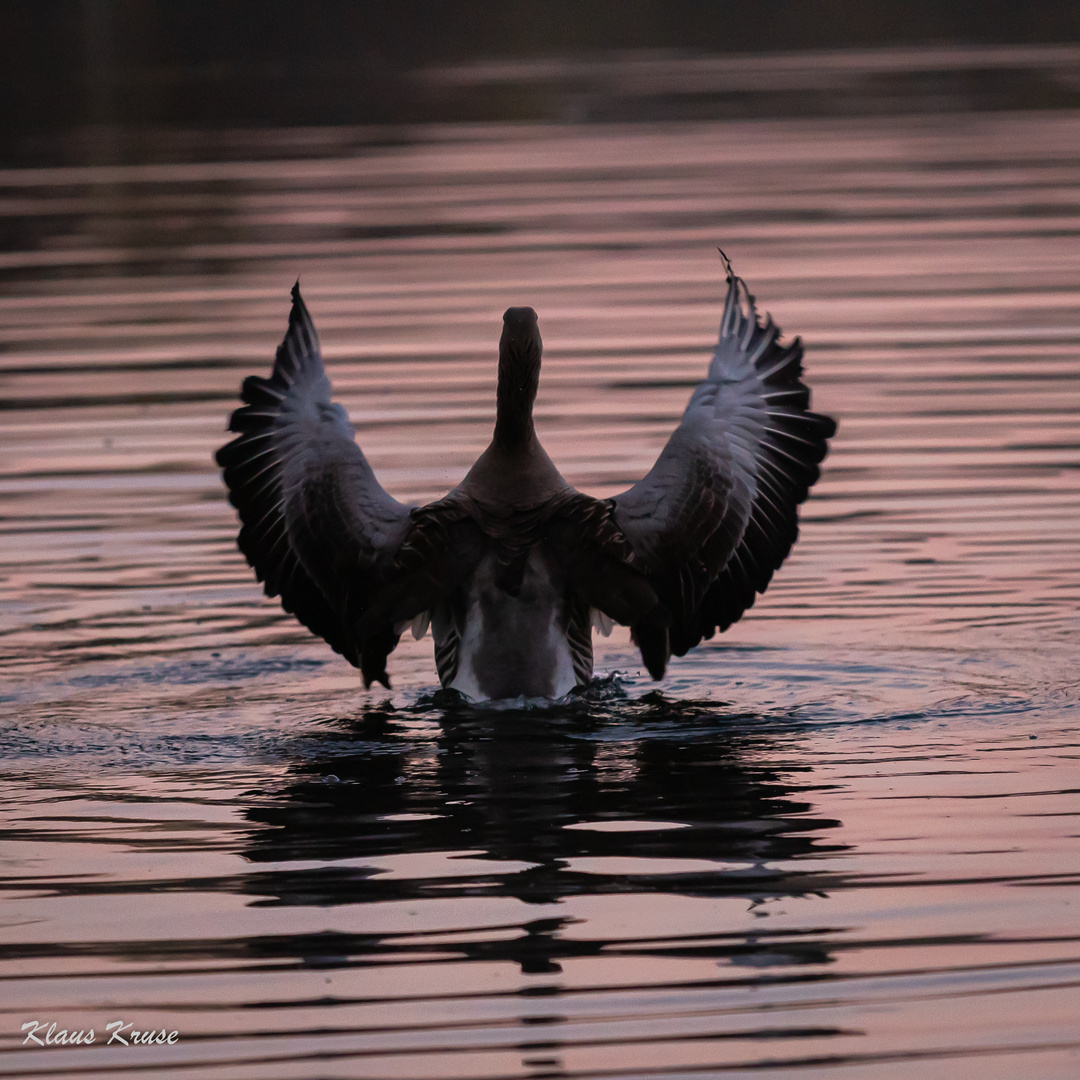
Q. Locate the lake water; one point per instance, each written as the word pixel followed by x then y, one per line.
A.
pixel 841 839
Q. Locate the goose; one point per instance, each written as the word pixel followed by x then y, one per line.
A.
pixel 514 568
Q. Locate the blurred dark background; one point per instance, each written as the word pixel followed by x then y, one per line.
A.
pixel 79 65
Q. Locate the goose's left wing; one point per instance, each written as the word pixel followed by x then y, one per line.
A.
pixel 718 512
pixel 318 528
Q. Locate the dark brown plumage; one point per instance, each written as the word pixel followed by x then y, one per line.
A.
pixel 514 566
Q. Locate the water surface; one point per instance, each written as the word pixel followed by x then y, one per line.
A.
pixel 840 838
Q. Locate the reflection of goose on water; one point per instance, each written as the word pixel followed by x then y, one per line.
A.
pixel 514 567
pixel 643 796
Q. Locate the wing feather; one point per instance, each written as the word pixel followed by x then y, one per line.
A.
pixel 718 513
pixel 317 527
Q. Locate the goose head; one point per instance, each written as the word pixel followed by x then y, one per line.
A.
pixel 519 376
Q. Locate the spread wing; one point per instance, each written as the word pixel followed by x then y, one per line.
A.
pixel 318 529
pixel 718 512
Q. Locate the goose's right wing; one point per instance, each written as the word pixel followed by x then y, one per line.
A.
pixel 718 512
pixel 318 529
